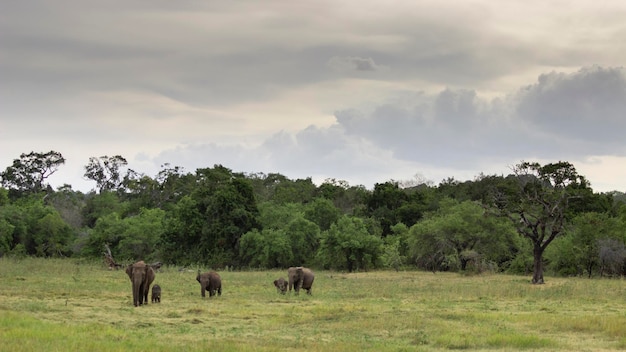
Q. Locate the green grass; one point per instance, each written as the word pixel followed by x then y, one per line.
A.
pixel 69 305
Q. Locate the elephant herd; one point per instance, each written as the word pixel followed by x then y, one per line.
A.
pixel 142 275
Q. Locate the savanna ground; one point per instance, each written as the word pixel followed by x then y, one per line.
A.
pixel 69 305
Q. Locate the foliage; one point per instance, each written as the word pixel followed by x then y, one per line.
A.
pixel 287 238
pixel 100 205
pixel 300 190
pixel 348 245
pixel 182 231
pixel 216 217
pixel 322 212
pixel 32 228
pixel 28 174
pixel 106 171
pixel 389 205
pixel 269 248
pixel 70 205
pixel 206 226
pixel 163 191
pixel 460 234
pixel 580 252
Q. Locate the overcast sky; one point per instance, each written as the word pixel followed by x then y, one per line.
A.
pixel 361 91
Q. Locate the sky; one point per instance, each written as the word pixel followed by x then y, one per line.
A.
pixel 360 91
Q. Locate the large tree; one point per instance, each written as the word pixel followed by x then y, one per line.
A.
pixel 349 245
pixel 537 204
pixel 458 234
pixel 106 172
pixel 206 226
pixel 28 174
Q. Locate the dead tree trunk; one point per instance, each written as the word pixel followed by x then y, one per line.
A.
pixel 108 259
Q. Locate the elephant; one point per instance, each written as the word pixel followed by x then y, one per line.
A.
pixel 156 294
pixel 210 281
pixel 300 277
pixel 141 277
pixel 281 285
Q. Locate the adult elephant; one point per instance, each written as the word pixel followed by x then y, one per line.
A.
pixel 300 277
pixel 210 281
pixel 141 277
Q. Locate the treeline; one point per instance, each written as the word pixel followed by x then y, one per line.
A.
pixel 538 217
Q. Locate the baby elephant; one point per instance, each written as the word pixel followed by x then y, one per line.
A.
pixel 210 281
pixel 281 285
pixel 156 294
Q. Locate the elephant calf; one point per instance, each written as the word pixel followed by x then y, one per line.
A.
pixel 210 281
pixel 156 294
pixel 281 285
pixel 300 277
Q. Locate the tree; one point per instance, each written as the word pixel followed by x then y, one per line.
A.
pixel 143 232
pixel 349 245
pixel 394 248
pixel 269 248
pixel 99 205
pixel 106 172
pixel 206 226
pixel 538 204
pixel 182 232
pixel 29 173
pixel 304 239
pixel 579 252
pixel 162 191
pixel 32 228
pixel 459 234
pixel 298 191
pixel 612 254
pixel 322 212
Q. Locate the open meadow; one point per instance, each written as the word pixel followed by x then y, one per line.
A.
pixel 70 305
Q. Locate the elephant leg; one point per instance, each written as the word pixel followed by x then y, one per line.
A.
pixel 299 283
pixel 140 297
pixel 145 295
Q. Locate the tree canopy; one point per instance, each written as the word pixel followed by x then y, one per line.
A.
pixel 538 218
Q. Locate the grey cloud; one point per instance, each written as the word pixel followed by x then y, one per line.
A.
pixel 588 105
pixel 352 63
pixel 560 116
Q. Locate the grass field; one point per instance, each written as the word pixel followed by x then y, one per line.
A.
pixel 68 305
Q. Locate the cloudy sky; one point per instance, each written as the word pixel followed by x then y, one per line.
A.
pixel 361 91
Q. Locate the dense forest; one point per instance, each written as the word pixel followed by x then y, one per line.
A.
pixel 538 218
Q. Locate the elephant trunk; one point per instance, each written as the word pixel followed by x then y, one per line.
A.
pixel 137 294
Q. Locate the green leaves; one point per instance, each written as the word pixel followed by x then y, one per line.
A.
pixel 29 173
pixel 462 232
pixel 348 245
pixel 106 172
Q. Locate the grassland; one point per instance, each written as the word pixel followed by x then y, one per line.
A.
pixel 68 305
